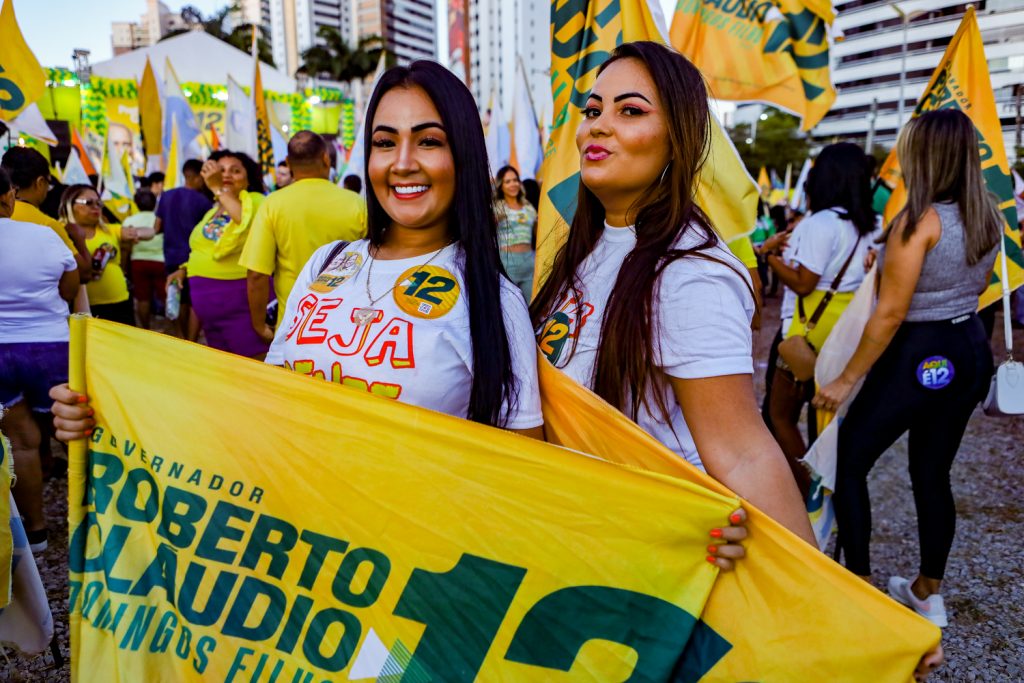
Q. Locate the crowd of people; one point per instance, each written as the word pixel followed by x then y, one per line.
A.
pixel 645 304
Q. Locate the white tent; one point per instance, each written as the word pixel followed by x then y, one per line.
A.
pixel 197 57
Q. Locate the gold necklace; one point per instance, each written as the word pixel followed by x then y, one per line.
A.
pixel 365 315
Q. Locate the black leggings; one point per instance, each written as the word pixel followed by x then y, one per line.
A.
pixel 122 312
pixel 895 399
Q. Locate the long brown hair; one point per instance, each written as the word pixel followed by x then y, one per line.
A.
pixel 667 210
pixel 938 154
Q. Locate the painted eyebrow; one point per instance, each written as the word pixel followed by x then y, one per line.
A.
pixel 415 129
pixel 623 96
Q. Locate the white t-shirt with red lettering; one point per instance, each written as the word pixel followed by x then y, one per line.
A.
pixel 413 344
pixel 702 315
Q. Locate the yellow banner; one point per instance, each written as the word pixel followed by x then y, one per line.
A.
pixel 150 112
pixel 775 52
pixel 788 612
pixel 264 526
pixel 961 81
pixel 22 80
pixel 583 34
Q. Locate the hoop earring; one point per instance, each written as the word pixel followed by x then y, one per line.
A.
pixel 663 172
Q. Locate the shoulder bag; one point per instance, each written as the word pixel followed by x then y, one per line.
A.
pixel 1006 393
pixel 796 351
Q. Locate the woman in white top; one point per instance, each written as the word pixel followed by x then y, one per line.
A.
pixel 645 305
pixel 841 226
pixel 38 277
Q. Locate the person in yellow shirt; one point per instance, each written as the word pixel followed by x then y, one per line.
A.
pixel 108 244
pixel 215 278
pixel 30 173
pixel 293 223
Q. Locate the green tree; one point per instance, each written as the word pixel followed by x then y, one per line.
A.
pixel 334 59
pixel 239 36
pixel 777 144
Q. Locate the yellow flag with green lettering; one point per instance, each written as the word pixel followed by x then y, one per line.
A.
pixel 22 80
pixel 961 81
pixel 583 34
pixel 787 612
pixel 260 525
pixel 775 52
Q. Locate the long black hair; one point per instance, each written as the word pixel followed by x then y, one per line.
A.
pixel 626 354
pixel 470 221
pixel 841 177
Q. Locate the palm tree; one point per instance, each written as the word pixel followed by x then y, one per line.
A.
pixel 333 59
pixel 239 36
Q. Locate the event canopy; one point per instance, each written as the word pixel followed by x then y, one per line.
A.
pixel 196 57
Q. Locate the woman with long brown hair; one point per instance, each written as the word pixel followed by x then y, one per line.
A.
pixel 644 304
pixel 924 349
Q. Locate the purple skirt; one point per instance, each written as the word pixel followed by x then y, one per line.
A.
pixel 222 307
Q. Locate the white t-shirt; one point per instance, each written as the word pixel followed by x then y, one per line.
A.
pixel 32 261
pixel 702 317
pixel 414 345
pixel 821 242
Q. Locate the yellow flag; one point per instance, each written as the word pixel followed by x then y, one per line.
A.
pixel 764 183
pixel 961 81
pixel 172 178
pixel 264 144
pixel 583 34
pixel 150 112
pixel 787 612
pixel 299 530
pixel 775 52
pixel 22 80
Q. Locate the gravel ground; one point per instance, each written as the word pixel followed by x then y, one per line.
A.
pixel 984 588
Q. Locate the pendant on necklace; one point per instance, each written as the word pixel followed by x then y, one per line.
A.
pixel 364 316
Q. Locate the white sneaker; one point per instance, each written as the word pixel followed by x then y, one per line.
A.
pixel 932 608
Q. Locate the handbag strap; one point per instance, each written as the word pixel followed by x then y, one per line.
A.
pixel 833 288
pixel 1007 317
pixel 330 257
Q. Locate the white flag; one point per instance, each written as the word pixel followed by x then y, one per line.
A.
pixel 798 190
pixel 497 138
pixel 31 122
pixel 356 163
pixel 525 131
pixel 240 124
pixel 74 172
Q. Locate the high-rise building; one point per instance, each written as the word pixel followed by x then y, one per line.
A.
pixel 156 23
pixel 502 32
pixel 406 25
pixel 294 26
pixel 410 29
pixel 868 62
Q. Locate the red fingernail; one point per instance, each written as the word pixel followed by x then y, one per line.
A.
pixel 716 533
pixel 735 518
pixel 88 432
pixel 82 398
pixel 711 560
pixel 91 411
pixel 712 549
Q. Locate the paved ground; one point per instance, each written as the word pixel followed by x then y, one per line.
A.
pixel 984 587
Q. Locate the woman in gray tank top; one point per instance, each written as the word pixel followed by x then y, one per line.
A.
pixel 924 350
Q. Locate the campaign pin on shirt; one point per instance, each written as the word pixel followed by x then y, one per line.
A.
pixel 428 292
pixel 935 372
pixel 341 268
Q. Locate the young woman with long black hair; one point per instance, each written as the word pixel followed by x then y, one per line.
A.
pixel 924 349
pixel 657 310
